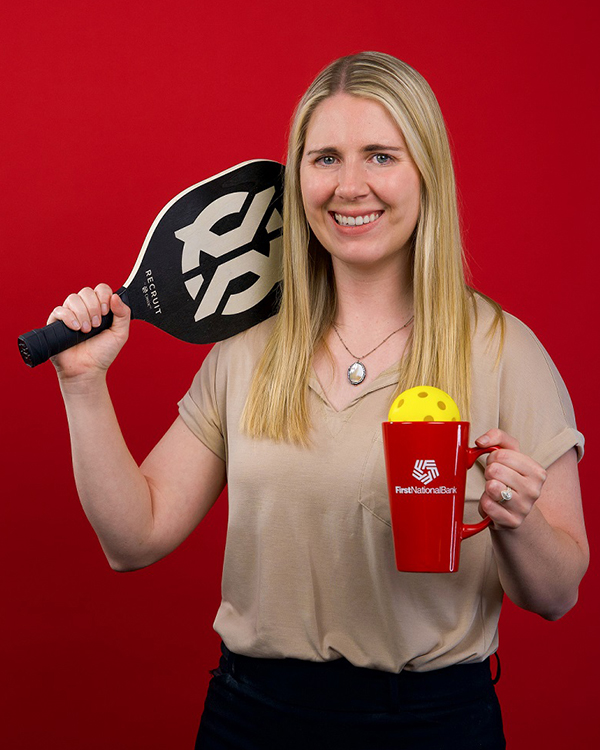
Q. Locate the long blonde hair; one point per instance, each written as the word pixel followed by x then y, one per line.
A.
pixel 439 350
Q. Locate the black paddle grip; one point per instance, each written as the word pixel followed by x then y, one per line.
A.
pixel 39 345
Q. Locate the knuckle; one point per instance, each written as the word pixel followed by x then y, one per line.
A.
pixel 490 506
pixel 493 487
pixel 56 314
pixel 493 471
pixel 492 458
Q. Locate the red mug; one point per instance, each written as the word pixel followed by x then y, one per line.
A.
pixel 426 465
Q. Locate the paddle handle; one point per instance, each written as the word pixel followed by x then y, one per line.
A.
pixel 39 345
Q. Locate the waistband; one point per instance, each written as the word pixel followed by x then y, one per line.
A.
pixel 339 685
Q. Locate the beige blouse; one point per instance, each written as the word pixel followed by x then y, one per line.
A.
pixel 309 567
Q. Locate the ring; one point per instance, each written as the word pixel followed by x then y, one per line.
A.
pixel 506 495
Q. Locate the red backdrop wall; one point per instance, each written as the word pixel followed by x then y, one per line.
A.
pixel 110 109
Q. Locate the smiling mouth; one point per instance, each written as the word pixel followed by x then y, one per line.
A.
pixel 355 221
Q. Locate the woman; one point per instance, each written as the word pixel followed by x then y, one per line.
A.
pixel 324 642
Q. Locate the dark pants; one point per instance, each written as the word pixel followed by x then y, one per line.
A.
pixel 289 704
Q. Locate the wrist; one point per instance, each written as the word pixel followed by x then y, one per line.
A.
pixel 86 384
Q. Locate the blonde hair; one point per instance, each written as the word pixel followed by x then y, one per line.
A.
pixel 439 350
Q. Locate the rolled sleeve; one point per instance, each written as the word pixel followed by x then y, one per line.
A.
pixel 535 405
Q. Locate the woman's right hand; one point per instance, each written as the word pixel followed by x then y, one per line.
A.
pixel 82 312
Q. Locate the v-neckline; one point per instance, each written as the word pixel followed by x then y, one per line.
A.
pixel 386 377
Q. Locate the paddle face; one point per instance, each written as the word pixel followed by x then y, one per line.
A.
pixel 211 264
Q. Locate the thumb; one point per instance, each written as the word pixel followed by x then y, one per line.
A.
pixel 119 308
pixel 121 314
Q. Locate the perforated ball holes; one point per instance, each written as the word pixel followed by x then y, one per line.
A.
pixel 424 403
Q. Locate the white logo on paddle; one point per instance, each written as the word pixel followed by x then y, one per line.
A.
pixel 199 237
pixel 425 471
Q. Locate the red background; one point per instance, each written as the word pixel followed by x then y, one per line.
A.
pixel 110 109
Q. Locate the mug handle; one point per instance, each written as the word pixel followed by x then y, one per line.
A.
pixel 469 529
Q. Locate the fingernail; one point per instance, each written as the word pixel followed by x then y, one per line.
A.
pixel 86 327
pixel 75 324
pixel 104 308
pixel 95 321
pixel 483 440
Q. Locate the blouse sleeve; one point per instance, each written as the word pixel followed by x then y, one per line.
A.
pixel 534 404
pixel 200 407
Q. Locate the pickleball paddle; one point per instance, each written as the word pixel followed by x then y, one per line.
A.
pixel 210 266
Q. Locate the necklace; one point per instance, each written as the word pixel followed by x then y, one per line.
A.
pixel 357 372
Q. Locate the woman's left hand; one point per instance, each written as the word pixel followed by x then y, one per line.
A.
pixel 513 473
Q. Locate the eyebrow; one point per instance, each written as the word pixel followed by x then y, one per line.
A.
pixel 370 148
pixel 381 147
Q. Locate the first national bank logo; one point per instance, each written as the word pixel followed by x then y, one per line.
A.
pixel 425 471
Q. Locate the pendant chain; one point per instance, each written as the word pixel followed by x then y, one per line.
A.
pixel 357 372
pixel 359 359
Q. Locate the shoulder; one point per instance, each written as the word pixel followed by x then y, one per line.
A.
pixel 502 334
pixel 245 347
pixel 506 338
pixel 231 363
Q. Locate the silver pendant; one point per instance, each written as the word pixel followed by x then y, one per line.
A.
pixel 357 373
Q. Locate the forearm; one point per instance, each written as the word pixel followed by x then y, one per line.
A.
pixel 113 491
pixel 540 566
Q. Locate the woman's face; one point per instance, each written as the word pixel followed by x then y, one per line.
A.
pixel 360 187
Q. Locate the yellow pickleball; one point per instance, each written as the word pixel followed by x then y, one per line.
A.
pixel 424 404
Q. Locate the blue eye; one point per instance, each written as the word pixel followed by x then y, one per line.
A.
pixel 382 158
pixel 326 160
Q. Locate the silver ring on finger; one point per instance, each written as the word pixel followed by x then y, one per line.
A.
pixel 506 495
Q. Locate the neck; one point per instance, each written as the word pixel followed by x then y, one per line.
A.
pixel 372 310
pixel 380 300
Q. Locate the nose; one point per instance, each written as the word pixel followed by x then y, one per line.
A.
pixel 352 183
